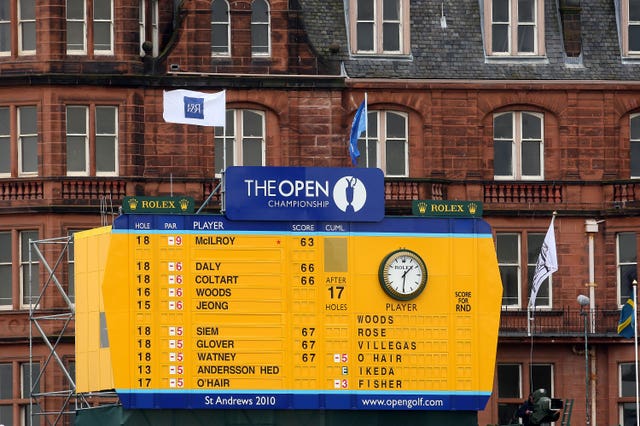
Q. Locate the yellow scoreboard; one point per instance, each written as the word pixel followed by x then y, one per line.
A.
pixel 207 313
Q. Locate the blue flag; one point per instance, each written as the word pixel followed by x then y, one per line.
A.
pixel 358 126
pixel 626 326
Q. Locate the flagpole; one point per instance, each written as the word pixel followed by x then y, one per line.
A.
pixel 546 265
pixel 635 345
pixel 366 128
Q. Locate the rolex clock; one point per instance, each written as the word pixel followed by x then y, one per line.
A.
pixel 403 274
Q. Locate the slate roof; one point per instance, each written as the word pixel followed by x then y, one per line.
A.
pixel 457 52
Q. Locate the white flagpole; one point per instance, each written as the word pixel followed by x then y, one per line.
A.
pixel 366 127
pixel 635 345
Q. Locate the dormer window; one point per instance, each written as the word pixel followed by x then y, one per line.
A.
pixel 379 27
pixel 514 27
pixel 631 27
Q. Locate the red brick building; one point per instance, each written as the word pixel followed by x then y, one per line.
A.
pixel 531 111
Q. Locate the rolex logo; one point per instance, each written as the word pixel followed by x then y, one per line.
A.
pixel 422 207
pixel 133 203
pixel 184 204
pixel 473 207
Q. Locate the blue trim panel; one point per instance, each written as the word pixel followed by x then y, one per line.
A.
pixel 389 226
pixel 135 399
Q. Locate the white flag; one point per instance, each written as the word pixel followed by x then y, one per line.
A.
pixel 547 263
pixel 189 107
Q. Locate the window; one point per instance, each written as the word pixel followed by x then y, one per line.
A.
pixel 27 141
pixel 627 392
pixel 29 269
pixel 6 291
pixel 220 28
pixel 634 145
pixel 260 28
pixel 27 26
pixel 514 27
pixel 19 275
pixel 243 141
pixel 29 373
pixel 509 391
pixel 71 369
pixel 103 26
pixel 71 276
pixel 19 156
pixel 6 393
pixel 102 29
pixel 518 146
pixel 15 390
pixel 5 28
pixel 541 377
pixel 631 24
pixel 5 142
pixel 142 24
pixel 77 140
pixel 155 38
pixel 380 27
pixel 534 245
pixel 627 264
pixel 511 385
pixel 24 33
pixel 508 253
pixel 76 27
pixel 96 152
pixel 385 143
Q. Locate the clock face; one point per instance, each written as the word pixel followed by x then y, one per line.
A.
pixel 403 274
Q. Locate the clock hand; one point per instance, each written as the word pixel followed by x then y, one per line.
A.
pixel 404 277
pixel 407 271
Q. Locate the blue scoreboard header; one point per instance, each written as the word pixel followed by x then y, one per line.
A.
pixel 303 194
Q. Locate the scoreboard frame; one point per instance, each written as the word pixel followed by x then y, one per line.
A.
pixel 274 282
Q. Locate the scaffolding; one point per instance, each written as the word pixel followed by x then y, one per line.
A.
pixel 56 402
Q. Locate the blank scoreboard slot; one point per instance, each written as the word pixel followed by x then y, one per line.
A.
pixel 336 257
pixel 255 255
pixel 255 319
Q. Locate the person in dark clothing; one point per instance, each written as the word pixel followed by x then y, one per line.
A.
pixel 537 409
pixel 525 410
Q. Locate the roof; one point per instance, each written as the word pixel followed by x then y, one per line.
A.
pixel 457 52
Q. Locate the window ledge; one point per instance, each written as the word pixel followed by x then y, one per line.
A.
pixel 631 60
pixel 517 60
pixel 382 56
